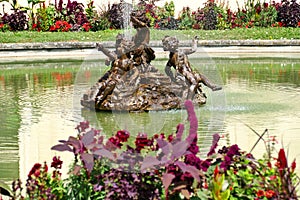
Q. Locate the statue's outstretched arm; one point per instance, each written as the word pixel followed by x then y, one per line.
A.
pixel 111 55
pixel 136 20
pixel 194 46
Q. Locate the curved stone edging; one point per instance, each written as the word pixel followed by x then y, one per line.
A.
pixel 110 44
pixel 212 48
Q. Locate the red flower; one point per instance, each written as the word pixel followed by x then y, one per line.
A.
pixel 35 170
pixel 194 149
pixel 293 165
pixel 258 9
pixel 61 26
pixel 216 171
pixel 205 185
pixel 34 26
pixel 45 167
pixel 52 28
pixel 269 194
pixel 260 193
pixel 281 160
pixel 192 160
pixel 122 135
pixel 280 24
pixel 86 26
pixel 56 162
pixel 298 24
pixel 170 138
pixel 142 141
pixel 1 26
pixel 113 143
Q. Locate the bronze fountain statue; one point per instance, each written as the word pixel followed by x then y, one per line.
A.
pixel 133 84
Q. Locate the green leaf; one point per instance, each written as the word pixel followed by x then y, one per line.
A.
pixel 5 189
pixel 225 195
pixel 203 195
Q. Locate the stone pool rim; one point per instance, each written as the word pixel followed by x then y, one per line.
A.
pixel 213 48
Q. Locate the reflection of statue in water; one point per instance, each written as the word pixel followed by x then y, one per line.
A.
pixel 133 84
pixel 178 59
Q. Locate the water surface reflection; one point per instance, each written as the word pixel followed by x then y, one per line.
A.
pixel 40 105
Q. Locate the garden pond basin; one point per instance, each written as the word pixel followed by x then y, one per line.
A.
pixel 40 104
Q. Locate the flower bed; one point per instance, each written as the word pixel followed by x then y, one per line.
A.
pixel 159 167
pixel 73 16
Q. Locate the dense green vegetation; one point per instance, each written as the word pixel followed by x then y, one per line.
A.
pixel 109 35
pixel 255 20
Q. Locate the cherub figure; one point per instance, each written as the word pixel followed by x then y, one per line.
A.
pixel 117 75
pixel 122 46
pixel 142 52
pixel 121 63
pixel 178 59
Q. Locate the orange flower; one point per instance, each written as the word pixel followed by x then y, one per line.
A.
pixel 269 194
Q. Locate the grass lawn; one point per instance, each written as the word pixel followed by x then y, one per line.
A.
pixel 109 35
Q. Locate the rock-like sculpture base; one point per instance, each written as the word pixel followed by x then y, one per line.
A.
pixel 152 90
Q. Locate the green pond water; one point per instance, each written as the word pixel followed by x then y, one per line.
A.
pixel 40 104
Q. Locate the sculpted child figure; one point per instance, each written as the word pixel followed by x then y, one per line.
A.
pixel 143 54
pixel 178 59
pixel 138 47
pixel 121 63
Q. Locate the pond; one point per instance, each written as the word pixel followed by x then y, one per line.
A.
pixel 40 105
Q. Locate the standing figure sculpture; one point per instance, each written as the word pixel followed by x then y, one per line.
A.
pixel 142 53
pixel 178 59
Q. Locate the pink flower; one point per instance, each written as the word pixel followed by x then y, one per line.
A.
pixel 273 177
